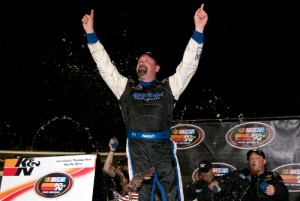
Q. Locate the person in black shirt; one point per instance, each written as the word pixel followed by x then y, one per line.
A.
pixel 255 183
pixel 199 190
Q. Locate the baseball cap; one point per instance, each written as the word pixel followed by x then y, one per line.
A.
pixel 205 166
pixel 257 151
pixel 151 54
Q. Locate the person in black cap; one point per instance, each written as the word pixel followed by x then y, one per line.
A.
pixel 255 183
pixel 147 106
pixel 200 189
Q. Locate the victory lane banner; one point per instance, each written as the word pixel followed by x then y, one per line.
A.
pixel 226 143
pixel 58 178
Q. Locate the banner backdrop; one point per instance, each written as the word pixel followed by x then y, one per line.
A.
pixel 227 143
pixel 59 178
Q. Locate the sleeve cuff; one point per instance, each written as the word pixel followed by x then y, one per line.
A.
pixel 198 37
pixel 91 38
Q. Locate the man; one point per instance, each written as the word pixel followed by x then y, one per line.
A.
pixel 147 106
pixel 199 189
pixel 119 175
pixel 255 183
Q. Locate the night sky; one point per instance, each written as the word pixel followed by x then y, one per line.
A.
pixel 52 97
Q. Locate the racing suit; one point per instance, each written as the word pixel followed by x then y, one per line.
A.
pixel 147 109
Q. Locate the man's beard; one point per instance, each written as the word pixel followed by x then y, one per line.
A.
pixel 254 171
pixel 142 71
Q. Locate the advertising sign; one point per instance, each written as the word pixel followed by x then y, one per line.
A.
pixel 58 178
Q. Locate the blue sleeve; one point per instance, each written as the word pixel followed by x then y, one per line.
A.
pixel 198 37
pixel 91 38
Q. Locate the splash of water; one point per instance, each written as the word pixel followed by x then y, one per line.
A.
pixel 63 134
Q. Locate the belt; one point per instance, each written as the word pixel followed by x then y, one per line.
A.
pixel 160 135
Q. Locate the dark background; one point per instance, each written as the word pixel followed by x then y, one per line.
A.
pixel 53 98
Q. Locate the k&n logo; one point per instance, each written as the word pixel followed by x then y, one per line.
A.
pixel 19 166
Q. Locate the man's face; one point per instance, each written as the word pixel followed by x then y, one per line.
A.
pixel 146 68
pixel 207 176
pixel 256 164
